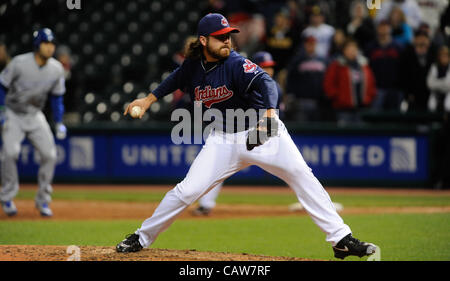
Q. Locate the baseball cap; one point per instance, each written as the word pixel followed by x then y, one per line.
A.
pixel 263 59
pixel 214 24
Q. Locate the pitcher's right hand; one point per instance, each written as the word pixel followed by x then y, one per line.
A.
pixel 144 103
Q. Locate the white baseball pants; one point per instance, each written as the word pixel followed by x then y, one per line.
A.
pixel 225 154
pixel 209 199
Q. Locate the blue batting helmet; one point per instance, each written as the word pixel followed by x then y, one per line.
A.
pixel 42 35
pixel 263 59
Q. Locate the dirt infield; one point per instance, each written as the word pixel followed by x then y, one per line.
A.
pixel 100 210
pixel 66 210
pixel 91 253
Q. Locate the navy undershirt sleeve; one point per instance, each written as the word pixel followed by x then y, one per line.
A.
pixel 267 88
pixel 172 83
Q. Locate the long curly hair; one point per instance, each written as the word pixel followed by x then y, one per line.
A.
pixel 193 49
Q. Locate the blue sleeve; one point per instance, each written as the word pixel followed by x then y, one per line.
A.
pixel 173 82
pixel 57 104
pixel 409 35
pixel 267 88
pixel 3 90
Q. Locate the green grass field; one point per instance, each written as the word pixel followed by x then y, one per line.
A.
pixel 399 236
pixel 230 197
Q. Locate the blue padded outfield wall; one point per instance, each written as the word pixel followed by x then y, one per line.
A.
pixel 153 158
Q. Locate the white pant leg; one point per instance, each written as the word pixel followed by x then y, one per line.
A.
pixel 209 199
pixel 281 157
pixel 12 135
pixel 213 165
pixel 42 139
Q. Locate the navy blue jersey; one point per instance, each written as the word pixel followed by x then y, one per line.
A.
pixel 232 83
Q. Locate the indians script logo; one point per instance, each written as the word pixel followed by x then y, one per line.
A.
pixel 249 66
pixel 403 155
pixel 210 96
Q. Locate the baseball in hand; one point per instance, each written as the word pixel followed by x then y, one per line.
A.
pixel 136 111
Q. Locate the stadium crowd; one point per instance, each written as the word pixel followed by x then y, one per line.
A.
pixel 334 59
pixel 337 58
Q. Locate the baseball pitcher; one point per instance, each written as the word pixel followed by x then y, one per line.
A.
pixel 25 85
pixel 219 78
pixel 208 201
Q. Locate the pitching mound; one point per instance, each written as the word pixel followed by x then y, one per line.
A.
pixel 91 253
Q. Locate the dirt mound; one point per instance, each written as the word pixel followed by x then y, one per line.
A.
pixel 91 253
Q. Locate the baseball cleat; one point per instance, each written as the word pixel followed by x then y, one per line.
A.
pixel 44 209
pixel 350 246
pixel 129 244
pixel 201 211
pixel 9 208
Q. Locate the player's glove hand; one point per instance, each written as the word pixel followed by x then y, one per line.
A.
pixel 61 131
pixel 266 128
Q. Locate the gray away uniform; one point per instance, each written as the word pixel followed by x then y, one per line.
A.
pixel 29 86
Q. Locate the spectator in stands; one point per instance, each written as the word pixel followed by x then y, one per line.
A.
pixel 361 26
pixel 321 31
pixel 297 16
pixel 415 62
pixel 410 8
pixel 339 38
pixel 384 54
pixel 437 39
pixel 216 6
pixel 438 81
pixel 281 40
pixel 63 55
pixel 401 31
pixel 326 8
pixel 252 31
pixel 304 84
pixel 445 25
pixel 431 13
pixel 4 57
pixel 71 101
pixel 267 63
pixel 350 84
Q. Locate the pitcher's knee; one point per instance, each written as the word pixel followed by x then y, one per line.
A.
pixel 187 194
pixel 11 153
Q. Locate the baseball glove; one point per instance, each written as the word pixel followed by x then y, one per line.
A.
pixel 266 128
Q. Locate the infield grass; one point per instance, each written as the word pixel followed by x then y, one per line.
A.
pixel 400 236
pixel 230 197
